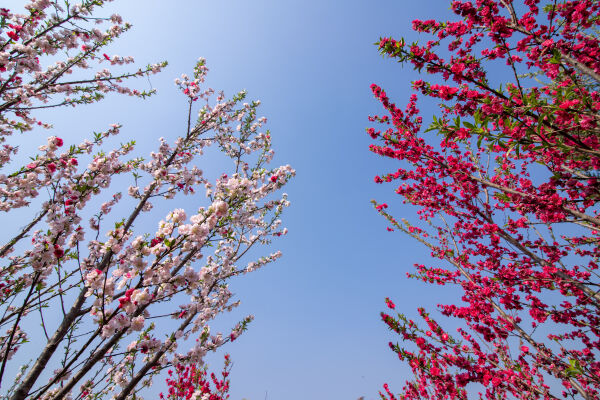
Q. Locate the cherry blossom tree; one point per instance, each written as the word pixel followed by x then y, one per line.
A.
pixel 505 184
pixel 96 303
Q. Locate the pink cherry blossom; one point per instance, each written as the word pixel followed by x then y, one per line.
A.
pixel 116 302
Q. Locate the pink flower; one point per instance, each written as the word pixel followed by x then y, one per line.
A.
pixel 221 208
pixel 137 323
pixel 389 303
pixel 58 251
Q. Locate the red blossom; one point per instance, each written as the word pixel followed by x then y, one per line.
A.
pixel 58 251
pixel 519 231
pixel 186 380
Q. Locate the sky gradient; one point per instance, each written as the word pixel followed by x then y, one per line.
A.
pixel 317 332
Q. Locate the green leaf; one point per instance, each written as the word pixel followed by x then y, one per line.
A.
pixel 555 57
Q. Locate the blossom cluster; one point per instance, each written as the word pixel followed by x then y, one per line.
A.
pixel 191 382
pixel 507 197
pixel 83 267
pixel 47 30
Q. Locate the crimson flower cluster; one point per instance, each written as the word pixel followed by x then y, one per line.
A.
pixel 191 382
pixel 506 192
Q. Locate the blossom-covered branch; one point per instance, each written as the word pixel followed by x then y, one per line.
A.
pixel 100 289
pixel 507 197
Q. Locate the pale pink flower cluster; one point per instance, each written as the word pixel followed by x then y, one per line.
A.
pixel 103 288
pixel 48 30
pixel 11 343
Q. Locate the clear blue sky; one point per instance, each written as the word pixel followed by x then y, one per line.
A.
pixel 317 332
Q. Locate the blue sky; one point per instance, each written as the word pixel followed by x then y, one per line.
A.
pixel 317 332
